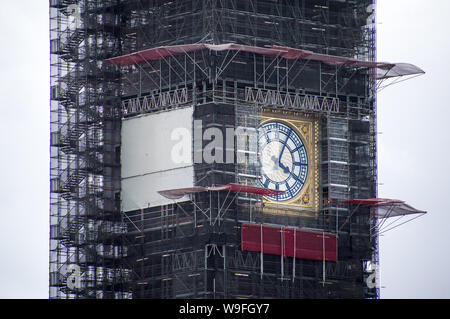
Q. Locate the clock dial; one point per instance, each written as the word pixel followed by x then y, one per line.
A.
pixel 284 161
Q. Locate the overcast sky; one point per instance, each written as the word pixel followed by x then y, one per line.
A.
pixel 414 154
pixel 413 148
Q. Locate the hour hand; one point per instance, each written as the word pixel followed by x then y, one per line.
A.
pixel 285 168
pixel 277 163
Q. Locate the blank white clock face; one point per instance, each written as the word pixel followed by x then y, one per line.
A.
pixel 284 161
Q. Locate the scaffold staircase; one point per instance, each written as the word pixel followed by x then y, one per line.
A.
pixel 68 180
pixel 73 41
pixel 74 80
pixel 69 234
pixel 69 134
pixel 62 4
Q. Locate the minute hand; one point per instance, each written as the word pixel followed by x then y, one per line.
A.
pixel 284 146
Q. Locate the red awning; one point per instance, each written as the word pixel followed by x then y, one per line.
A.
pixel 180 192
pixel 292 53
pixel 384 207
pixel 166 51
pixel 383 70
pixel 370 201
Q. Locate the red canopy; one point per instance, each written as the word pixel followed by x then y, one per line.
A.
pixel 384 207
pixel 370 201
pixel 166 51
pixel 383 70
pixel 180 192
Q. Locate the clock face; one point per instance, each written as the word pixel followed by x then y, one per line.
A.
pixel 284 161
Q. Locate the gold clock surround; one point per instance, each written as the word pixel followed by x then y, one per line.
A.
pixel 307 201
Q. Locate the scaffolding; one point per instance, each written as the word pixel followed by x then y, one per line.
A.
pixel 192 248
pixel 85 224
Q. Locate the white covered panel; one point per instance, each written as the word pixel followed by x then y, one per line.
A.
pixel 156 154
pixel 147 143
pixel 142 191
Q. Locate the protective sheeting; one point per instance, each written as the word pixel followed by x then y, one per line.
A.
pixel 181 192
pixel 388 210
pixel 398 70
pixel 385 208
pixel 154 158
pixel 289 241
pixel 292 53
pixel 140 192
pixel 383 70
pixel 157 142
pixel 166 51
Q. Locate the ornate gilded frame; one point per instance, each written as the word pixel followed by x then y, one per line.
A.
pixel 308 129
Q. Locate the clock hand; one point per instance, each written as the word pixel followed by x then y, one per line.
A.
pixel 284 146
pixel 285 168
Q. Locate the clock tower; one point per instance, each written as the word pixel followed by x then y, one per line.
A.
pixel 151 196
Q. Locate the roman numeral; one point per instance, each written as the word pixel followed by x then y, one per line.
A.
pixel 297 178
pixel 267 137
pixel 297 148
pixel 300 164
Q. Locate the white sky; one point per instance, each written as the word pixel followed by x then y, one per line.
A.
pixel 413 148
